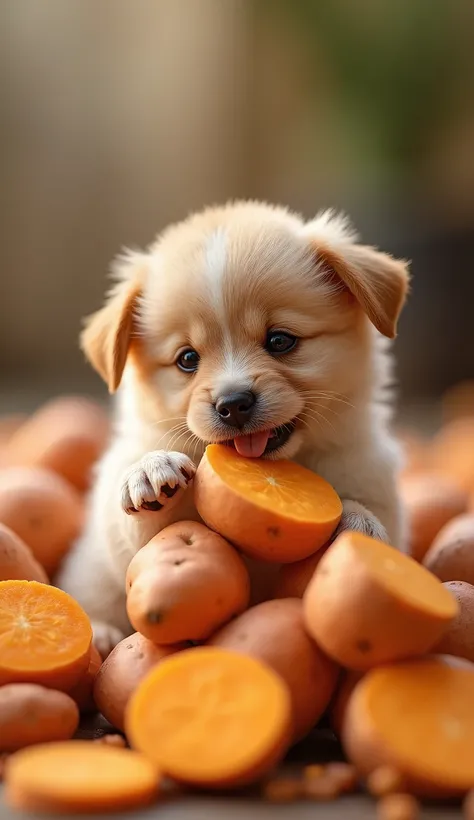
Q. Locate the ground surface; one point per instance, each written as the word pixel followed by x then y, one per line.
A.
pixel 320 747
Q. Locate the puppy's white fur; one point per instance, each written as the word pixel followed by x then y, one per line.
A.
pixel 218 282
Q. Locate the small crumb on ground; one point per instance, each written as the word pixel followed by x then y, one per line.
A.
pixel 322 788
pixel 112 740
pixel 313 771
pixel 468 806
pixel 398 807
pixel 345 774
pixel 384 780
pixel 283 790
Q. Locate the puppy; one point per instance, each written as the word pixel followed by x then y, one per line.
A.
pixel 247 325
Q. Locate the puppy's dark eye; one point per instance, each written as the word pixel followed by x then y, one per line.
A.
pixel 278 342
pixel 188 360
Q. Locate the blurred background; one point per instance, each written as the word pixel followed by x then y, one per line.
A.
pixel 118 117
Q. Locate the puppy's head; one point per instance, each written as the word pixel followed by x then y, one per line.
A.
pixel 246 325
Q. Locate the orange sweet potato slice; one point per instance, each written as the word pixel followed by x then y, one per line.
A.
pixel 416 717
pixel 273 510
pixel 369 604
pixel 45 636
pixel 211 717
pixel 79 776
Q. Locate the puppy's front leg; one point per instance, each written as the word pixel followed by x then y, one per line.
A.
pixel 155 479
pixel 357 517
pixel 155 490
pixel 365 479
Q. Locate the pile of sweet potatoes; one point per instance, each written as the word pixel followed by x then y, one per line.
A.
pixel 213 688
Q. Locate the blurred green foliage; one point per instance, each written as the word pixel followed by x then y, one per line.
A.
pixel 393 65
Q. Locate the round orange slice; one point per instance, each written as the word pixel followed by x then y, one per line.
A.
pixel 45 636
pixel 211 717
pixel 273 510
pixel 79 776
pixel 416 717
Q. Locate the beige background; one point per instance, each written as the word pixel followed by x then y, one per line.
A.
pixel 118 117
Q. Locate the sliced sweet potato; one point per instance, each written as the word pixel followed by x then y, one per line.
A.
pixel 369 604
pixel 45 636
pixel 273 510
pixel 211 717
pixel 292 579
pixel 82 692
pixel 79 777
pixel 416 717
pixel 274 633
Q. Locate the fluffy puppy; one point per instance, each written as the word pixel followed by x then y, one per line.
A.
pixel 244 324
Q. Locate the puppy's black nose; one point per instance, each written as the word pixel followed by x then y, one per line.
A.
pixel 236 408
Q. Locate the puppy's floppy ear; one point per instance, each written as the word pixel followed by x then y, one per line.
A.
pixel 377 281
pixel 107 334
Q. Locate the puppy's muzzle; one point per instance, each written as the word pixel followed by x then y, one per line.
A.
pixel 236 409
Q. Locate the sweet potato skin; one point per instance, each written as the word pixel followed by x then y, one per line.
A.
pixel 17 561
pixel 459 639
pixel 451 555
pixel 122 671
pixel 32 714
pixel 184 584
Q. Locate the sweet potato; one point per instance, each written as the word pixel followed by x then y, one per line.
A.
pixel 337 708
pixel 184 584
pixel 292 579
pixel 398 806
pixel 416 456
pixel 45 636
pixel 452 452
pixel 451 556
pixel 431 500
pixel 66 435
pixel 273 632
pixel 416 717
pixel 211 717
pixel 82 692
pixel 273 510
pixel 43 510
pixel 369 604
pixel 9 424
pixel 79 777
pixel 17 562
pixel 122 671
pixel 457 402
pixel 459 639
pixel 33 714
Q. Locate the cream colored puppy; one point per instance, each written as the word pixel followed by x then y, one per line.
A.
pixel 246 325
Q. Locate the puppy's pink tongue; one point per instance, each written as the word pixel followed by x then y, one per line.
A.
pixel 253 445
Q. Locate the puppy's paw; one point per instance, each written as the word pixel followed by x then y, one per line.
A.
pixel 151 482
pixel 105 637
pixel 358 518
